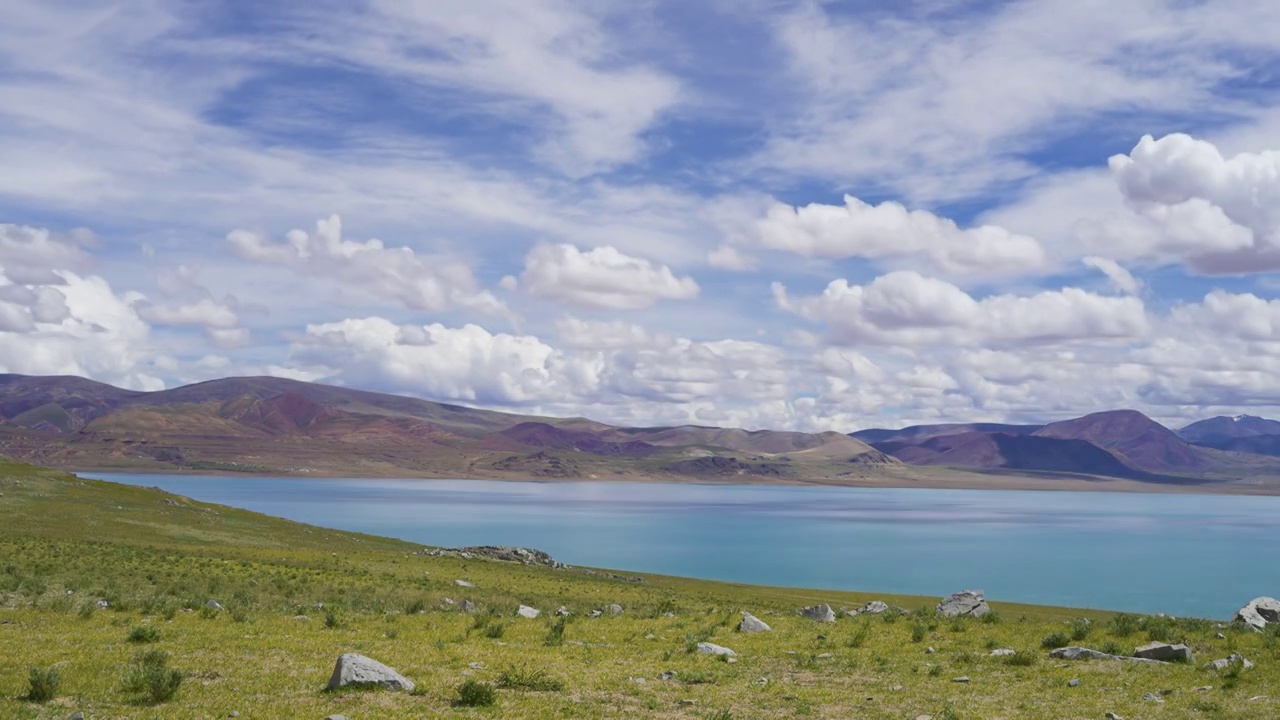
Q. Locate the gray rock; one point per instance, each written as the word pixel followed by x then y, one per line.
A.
pixel 594 614
pixel 615 609
pixel 336 717
pixel 214 605
pixel 819 613
pixel 1073 683
pixel 961 679
pixel 668 675
pixel 1220 636
pixel 562 611
pixel 1079 653
pixel 966 602
pixel 76 716
pixel 1164 652
pixel 102 604
pixel 825 656
pixel 1259 613
pixel 449 601
pixel 1225 662
pixel 707 648
pixel 468 607
pixel 353 669
pixel 1112 716
pixel 1003 652
pixel 752 624
pixel 875 607
pixel 930 650
pixel 527 612
pixel 302 618
pixel 1152 697
pixel 463 583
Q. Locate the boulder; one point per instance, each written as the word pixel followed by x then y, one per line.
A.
pixel 1003 652
pixel 1225 662
pixel 707 648
pixel 468 607
pixel 527 612
pixel 819 613
pixel 1164 652
pixel 463 583
pixel 594 614
pixel 1259 612
pixel 562 612
pixel 615 609
pixel 1079 653
pixel 964 603
pixel 752 624
pixel 213 605
pixel 353 669
pixel 875 607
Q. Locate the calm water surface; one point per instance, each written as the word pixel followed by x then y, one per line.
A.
pixel 1202 555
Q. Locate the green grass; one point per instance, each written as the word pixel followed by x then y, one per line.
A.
pixel 158 563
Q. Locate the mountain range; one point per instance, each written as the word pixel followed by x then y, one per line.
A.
pixel 268 425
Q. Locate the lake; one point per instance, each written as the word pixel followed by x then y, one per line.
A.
pixel 1202 555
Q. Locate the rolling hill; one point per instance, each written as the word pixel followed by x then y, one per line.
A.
pixel 1241 433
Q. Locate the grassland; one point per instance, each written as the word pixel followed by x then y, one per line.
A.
pixel 294 597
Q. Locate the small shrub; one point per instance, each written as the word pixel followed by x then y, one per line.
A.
pixel 1111 647
pixel 948 713
pixel 415 607
pixel 522 678
pixel 1055 640
pixel 992 618
pixel 392 634
pixel 725 714
pixel 144 634
pixel 42 684
pixel 87 610
pixel 151 679
pixel 1231 675
pixel 495 631
pixel 918 631
pixel 331 620
pixel 958 625
pixel 472 693
pixel 1021 659
pixel 1080 629
pixel 555 633
pixel 891 615
pixel 860 636
pixel 935 671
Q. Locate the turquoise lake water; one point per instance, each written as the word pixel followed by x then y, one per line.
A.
pixel 1202 555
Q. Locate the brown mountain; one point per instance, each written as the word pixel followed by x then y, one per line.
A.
pixel 920 433
pixel 1140 441
pixel 1004 451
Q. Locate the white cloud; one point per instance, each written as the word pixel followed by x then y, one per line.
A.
pixel 907 308
pixel 205 313
pixel 31 255
pixel 1121 279
pixel 889 230
pixel 418 282
pixel 727 257
pixel 601 277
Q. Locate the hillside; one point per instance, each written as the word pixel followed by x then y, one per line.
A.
pixel 1143 442
pixel 278 426
pixel 97 574
pixel 1241 433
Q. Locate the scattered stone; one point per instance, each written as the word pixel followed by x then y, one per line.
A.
pixel 463 583
pixel 825 656
pixel 1204 688
pixel 524 556
pixel 687 702
pixel 562 611
pixel 819 613
pixel 1073 683
pixel 707 648
pixel 449 601
pixel 468 607
pixel 966 602
pixel 924 717
pixel 650 636
pixel 234 714
pixel 930 650
pixel 615 609
pixel 668 615
pixel 353 669
pixel 1152 697
pixel 302 618
pixel 594 614
pixel 668 675
pixel 1164 652
pixel 636 680
pixel 1225 662
pixel 102 604
pixel 760 681
pixel 1003 652
pixel 1112 716
pixel 76 716
pixel 336 717
pixel 961 679
pixel 1220 636
pixel 752 624
pixel 875 607
pixel 214 605
pixel 527 612
pixel 1259 612
pixel 475 665
pixel 1079 653
pixel 731 659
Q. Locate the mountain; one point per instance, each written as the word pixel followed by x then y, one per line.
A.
pixel 281 426
pixel 1006 451
pixel 1140 441
pixel 1241 433
pixel 920 433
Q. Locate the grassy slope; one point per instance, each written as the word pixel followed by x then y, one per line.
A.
pixel 151 558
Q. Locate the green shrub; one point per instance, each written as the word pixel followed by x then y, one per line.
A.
pixel 1055 640
pixel 918 631
pixel 891 615
pixel 144 634
pixel 522 678
pixel 992 618
pixel 725 714
pixel 1080 629
pixel 472 693
pixel 555 633
pixel 1020 659
pixel 1123 625
pixel 415 607
pixel 151 679
pixel 935 670
pixel 495 631
pixel 42 684
pixel 860 636
pixel 331 620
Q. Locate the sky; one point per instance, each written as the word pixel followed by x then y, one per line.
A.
pixel 769 214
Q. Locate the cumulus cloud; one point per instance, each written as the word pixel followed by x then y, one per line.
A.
pixel 400 274
pixel 1121 279
pixel 31 255
pixel 1222 213
pixel 205 313
pixel 601 277
pixel 890 230
pixel 907 308
pixel 727 257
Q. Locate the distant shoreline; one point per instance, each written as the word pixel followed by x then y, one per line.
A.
pixel 930 479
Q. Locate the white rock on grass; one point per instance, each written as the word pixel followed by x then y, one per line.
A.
pixel 1003 652
pixel 1079 653
pixel 615 609
pixel 463 583
pixel 527 612
pixel 966 602
pixel 707 648
pixel 562 612
pixel 1225 662
pixel 1259 613
pixel 353 669
pixel 213 605
pixel 1164 652
pixel 819 613
pixel 875 607
pixel 752 624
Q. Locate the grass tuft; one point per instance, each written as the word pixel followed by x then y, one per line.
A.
pixel 150 679
pixel 473 693
pixel 535 680
pixel 144 634
pixel 43 684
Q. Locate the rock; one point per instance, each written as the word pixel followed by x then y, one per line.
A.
pixel 875 607
pixel 930 650
pixel 463 583
pixel 825 656
pixel 1220 636
pixel 966 602
pixel 594 614
pixel 819 613
pixel 214 605
pixel 1079 653
pixel 302 618
pixel 961 679
pixel 527 612
pixel 1003 652
pixel 336 717
pixel 1073 683
pixel 1152 697
pixel 615 609
pixel 668 675
pixel 1259 612
pixel 468 607
pixel 234 714
pixel 353 669
pixel 562 611
pixel 1164 652
pixel 924 717
pixel 1112 716
pixel 102 604
pixel 707 648
pixel 76 716
pixel 636 680
pixel 1225 662
pixel 752 624
pixel 1204 688
pixel 449 601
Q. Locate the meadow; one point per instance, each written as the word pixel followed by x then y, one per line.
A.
pixel 105 610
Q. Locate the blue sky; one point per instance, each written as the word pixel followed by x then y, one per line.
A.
pixel 810 215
